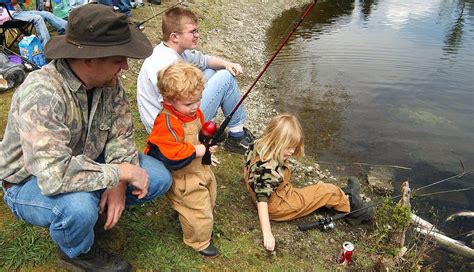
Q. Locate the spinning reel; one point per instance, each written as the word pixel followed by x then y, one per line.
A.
pixel 324 224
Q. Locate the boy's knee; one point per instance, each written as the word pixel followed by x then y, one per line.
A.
pixel 225 75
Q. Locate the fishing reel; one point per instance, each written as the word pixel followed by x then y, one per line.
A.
pixel 324 224
pixel 206 135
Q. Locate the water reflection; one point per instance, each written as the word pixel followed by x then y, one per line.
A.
pixel 455 34
pixel 385 82
pixel 371 82
pixel 366 7
pixel 323 15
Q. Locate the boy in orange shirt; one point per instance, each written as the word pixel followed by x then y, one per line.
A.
pixel 174 141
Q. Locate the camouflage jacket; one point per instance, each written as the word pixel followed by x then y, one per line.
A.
pixel 50 134
pixel 264 177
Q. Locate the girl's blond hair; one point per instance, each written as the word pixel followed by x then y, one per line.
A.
pixel 284 131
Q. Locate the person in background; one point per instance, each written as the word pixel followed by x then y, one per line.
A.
pixel 38 19
pixel 60 8
pixel 67 157
pixel 180 39
pixel 267 176
pixel 124 6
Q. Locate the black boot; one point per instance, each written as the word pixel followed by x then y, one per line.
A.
pixel 210 251
pixel 362 214
pixel 96 259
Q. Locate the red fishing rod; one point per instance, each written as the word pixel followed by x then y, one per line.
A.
pixel 213 141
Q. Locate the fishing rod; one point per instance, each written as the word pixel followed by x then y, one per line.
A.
pixel 140 25
pixel 327 223
pixel 213 140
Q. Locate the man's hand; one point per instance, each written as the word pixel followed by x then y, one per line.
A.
pixel 269 241
pixel 135 176
pixel 114 200
pixel 234 68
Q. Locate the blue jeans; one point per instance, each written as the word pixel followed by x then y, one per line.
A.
pixel 222 91
pixel 71 216
pixel 124 6
pixel 38 18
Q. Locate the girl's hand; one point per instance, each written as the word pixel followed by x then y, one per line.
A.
pixel 269 241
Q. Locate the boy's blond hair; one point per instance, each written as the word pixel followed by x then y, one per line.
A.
pixel 174 20
pixel 284 131
pixel 180 80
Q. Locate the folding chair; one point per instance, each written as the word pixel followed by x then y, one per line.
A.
pixel 14 29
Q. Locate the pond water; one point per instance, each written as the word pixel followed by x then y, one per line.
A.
pixel 384 82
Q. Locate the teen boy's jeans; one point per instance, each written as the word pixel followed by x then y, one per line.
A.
pixel 71 217
pixel 221 91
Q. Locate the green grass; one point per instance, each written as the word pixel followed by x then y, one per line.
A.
pixel 24 246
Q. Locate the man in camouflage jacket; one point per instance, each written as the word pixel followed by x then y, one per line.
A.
pixel 68 154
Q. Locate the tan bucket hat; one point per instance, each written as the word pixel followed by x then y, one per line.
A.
pixel 96 31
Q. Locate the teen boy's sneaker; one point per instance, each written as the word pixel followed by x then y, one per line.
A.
pixel 96 259
pixel 241 144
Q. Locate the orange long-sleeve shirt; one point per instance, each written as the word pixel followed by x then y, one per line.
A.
pixel 166 141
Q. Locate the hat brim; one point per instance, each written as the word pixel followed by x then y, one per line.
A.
pixel 139 47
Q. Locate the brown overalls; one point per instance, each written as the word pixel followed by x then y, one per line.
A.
pixel 193 194
pixel 288 203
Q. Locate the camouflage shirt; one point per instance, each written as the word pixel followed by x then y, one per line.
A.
pixel 50 133
pixel 264 177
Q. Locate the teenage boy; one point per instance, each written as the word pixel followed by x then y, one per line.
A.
pixel 180 38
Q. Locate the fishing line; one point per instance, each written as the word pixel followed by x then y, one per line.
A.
pixel 445 192
pixel 366 164
pixel 421 188
pixel 327 223
pixel 140 25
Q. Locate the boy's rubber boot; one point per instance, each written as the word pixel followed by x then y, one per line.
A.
pixel 352 190
pixel 210 251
